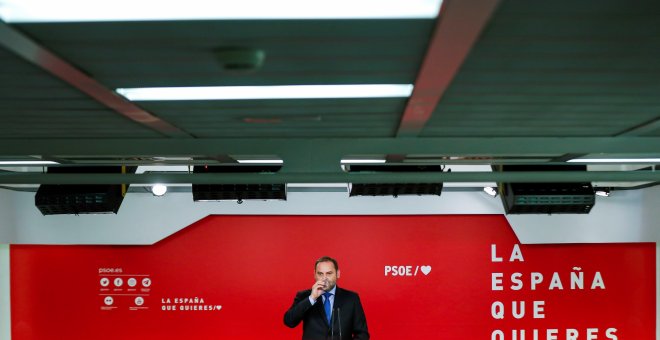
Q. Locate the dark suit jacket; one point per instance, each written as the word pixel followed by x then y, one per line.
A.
pixel 315 325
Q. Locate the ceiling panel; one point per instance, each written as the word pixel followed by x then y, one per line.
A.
pixel 284 118
pixel 559 69
pixel 144 54
pixel 34 104
pixel 538 69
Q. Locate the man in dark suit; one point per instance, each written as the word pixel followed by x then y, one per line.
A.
pixel 327 311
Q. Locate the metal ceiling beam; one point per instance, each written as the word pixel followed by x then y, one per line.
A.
pixel 327 147
pixel 393 158
pixel 331 177
pixel 643 129
pixel 40 56
pixel 458 27
pixel 567 157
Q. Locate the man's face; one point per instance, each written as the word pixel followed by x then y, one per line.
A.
pixel 325 271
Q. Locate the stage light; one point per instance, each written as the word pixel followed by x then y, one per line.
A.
pixel 266 92
pixel 237 192
pixel 394 189
pixel 546 198
pixel 158 189
pixel 53 199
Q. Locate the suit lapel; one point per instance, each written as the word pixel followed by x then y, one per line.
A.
pixel 340 298
pixel 320 310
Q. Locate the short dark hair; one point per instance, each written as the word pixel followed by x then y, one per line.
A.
pixel 326 259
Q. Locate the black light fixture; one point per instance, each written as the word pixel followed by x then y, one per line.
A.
pixel 394 189
pixel 75 199
pixel 546 198
pixel 238 192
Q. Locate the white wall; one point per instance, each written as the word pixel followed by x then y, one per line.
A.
pixel 626 216
pixel 145 219
pixel 5 312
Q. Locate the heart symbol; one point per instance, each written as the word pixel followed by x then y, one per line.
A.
pixel 426 270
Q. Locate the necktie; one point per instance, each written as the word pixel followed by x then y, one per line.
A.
pixel 326 305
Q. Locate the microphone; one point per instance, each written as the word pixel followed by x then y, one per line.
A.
pixel 332 326
pixel 339 318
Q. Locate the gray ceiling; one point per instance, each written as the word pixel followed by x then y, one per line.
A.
pixel 543 82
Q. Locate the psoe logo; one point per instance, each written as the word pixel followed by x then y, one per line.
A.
pixel 407 270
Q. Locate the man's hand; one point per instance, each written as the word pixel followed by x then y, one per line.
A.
pixel 317 289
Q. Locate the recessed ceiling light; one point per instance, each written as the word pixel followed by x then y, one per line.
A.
pixel 260 161
pixel 27 163
pixel 266 92
pixel 161 168
pixel 614 160
pixel 14 11
pixel 363 161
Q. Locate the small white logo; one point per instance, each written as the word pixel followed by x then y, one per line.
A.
pixel 146 282
pixel 119 282
pixel 425 269
pixel 108 300
pixel 105 282
pixel 407 270
pixel 139 301
pixel 132 282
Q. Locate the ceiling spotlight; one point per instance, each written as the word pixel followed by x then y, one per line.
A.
pixel 603 192
pixel 490 191
pixel 159 189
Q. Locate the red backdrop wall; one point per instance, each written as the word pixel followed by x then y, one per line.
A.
pixel 244 272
